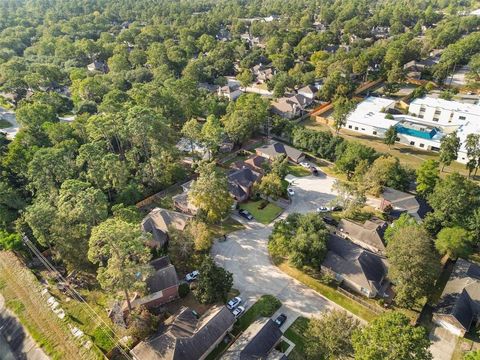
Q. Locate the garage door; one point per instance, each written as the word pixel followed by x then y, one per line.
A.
pixel 453 329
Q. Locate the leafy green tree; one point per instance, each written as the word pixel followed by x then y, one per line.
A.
pixel 10 204
pixel 453 200
pixel 80 207
pixel 387 171
pixel 472 145
pixel 472 355
pixel 391 337
pixel 10 241
pixel 350 196
pixel 245 78
pixel 212 133
pixel 403 221
pixel 353 155
pixel 449 146
pixel 427 177
pixel 118 247
pixel 279 166
pixel 209 192
pixel 390 136
pixel 414 265
pixel 214 283
pixel 454 242
pixel 270 186
pixel 342 107
pixel 300 238
pixel 245 116
pixel 192 131
pixel 330 337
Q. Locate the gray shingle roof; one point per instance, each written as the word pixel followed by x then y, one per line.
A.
pixel 369 233
pixel 241 180
pixel 359 266
pixel 461 296
pixel 159 220
pixel 256 342
pixel 278 148
pixel 187 338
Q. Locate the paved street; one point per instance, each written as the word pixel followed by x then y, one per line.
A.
pixel 245 254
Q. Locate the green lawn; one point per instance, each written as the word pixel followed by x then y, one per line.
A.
pixel 226 227
pixel 408 155
pixel 4 124
pixel 329 292
pixel 297 170
pixel 265 306
pixel 265 215
pixel 296 333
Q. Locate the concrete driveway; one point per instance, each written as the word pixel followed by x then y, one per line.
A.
pixel 443 343
pixel 245 254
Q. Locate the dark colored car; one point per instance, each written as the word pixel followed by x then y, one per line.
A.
pixel 330 221
pixel 245 214
pixel 314 170
pixel 336 208
pixel 280 320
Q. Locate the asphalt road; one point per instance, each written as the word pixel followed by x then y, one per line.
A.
pixel 245 254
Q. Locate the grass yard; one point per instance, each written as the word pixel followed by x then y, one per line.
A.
pixel 265 306
pixel 265 215
pixel 226 227
pixel 408 155
pixel 21 291
pixel 329 292
pixel 296 333
pixel 297 170
pixel 4 124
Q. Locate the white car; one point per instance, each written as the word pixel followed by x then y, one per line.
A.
pixel 305 164
pixel 322 209
pixel 290 192
pixel 238 311
pixel 233 303
pixel 192 276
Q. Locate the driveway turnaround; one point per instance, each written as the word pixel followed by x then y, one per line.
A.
pixel 245 254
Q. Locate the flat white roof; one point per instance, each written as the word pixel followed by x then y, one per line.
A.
pixel 368 112
pixel 448 105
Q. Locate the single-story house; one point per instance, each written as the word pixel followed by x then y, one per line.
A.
pixel 396 202
pixel 275 149
pixel 159 220
pixel 356 268
pixel 459 306
pixel 181 202
pixel 162 286
pixel 231 91
pixel 308 91
pixel 368 235
pixel 240 183
pixel 258 341
pixel 187 338
pixel 99 66
pixel 290 107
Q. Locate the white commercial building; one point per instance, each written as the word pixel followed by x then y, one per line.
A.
pixel 429 120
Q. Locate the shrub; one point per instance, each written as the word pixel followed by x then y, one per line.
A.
pixel 183 290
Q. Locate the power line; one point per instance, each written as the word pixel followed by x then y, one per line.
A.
pixel 93 314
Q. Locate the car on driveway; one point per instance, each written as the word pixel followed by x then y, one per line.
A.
pixel 305 164
pixel 245 214
pixel 192 276
pixel 280 320
pixel 314 170
pixel 233 303
pixel 290 192
pixel 336 208
pixel 322 209
pixel 238 311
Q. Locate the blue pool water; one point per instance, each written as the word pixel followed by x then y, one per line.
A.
pixel 417 133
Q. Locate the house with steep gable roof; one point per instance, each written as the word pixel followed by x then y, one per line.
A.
pixel 186 337
pixel 459 306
